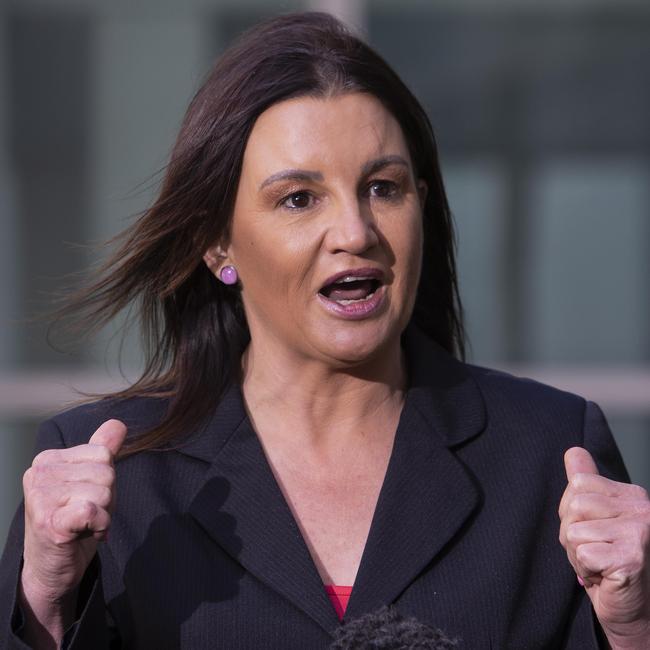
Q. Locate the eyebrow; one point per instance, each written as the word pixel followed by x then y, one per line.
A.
pixel 373 166
pixel 292 175
pixel 370 167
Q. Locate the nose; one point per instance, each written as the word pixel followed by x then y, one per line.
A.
pixel 352 228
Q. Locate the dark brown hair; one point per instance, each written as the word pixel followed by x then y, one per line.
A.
pixel 193 326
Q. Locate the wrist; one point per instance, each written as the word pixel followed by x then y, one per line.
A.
pixel 40 589
pixel 636 637
pixel 48 613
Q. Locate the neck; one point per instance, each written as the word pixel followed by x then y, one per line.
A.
pixel 326 404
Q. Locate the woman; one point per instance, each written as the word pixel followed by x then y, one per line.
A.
pixel 302 429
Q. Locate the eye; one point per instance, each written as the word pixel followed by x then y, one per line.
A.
pixel 382 189
pixel 297 201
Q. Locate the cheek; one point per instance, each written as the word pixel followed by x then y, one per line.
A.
pixel 418 254
pixel 412 269
pixel 273 263
pixel 407 248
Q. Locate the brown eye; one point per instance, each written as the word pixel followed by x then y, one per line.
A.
pixel 382 189
pixel 297 201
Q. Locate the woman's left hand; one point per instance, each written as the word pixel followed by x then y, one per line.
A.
pixel 605 529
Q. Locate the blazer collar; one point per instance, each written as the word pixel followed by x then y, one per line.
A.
pixel 426 497
pixel 441 388
pixel 206 443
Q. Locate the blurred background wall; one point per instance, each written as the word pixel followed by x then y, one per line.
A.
pixel 542 112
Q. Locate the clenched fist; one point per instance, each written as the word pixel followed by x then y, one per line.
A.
pixel 605 529
pixel 69 498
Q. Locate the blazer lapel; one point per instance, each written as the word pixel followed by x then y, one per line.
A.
pixel 425 499
pixel 242 508
pixel 427 495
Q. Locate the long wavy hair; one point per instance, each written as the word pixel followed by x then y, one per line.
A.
pixel 193 327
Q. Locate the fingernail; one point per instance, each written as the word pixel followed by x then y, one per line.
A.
pixel 581 581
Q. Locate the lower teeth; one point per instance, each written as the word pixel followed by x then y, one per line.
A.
pixel 350 302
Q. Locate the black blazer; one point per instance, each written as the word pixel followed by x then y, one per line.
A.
pixel 203 551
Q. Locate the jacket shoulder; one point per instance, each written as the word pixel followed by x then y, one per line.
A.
pixel 503 387
pixel 76 425
pixel 530 412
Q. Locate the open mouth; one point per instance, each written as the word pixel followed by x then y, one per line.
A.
pixel 351 289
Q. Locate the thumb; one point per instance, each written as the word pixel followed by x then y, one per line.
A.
pixel 579 461
pixel 110 434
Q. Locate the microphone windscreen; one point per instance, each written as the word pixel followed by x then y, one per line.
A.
pixel 387 629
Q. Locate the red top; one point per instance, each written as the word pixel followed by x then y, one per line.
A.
pixel 339 597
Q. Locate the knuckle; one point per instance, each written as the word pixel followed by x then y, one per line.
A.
pixel 87 510
pixel 582 554
pixel 40 519
pixel 40 470
pixel 43 458
pixel 104 455
pixel 571 535
pixel 59 539
pixel 108 475
pixel 105 495
pixel 28 478
pixel 30 497
pixel 574 507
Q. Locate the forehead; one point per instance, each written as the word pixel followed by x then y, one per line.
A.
pixel 343 131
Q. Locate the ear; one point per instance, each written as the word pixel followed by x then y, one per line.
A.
pixel 423 190
pixel 215 258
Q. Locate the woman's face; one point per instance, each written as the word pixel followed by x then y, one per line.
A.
pixel 326 234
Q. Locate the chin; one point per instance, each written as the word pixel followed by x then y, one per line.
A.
pixel 355 346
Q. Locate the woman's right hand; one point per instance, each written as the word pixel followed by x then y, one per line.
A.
pixel 69 498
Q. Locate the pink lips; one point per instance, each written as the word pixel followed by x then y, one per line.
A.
pixel 361 309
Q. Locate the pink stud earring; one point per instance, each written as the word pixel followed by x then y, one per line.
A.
pixel 228 275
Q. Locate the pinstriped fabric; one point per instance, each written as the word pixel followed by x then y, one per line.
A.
pixel 204 552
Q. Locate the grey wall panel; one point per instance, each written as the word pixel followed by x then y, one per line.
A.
pixel 48 122
pixel 539 80
pixel 586 276
pixel 477 190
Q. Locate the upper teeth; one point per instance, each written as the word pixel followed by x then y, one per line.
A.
pixel 353 278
